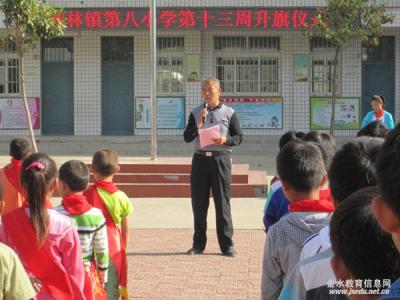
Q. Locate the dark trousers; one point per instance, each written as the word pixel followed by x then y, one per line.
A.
pixel 215 173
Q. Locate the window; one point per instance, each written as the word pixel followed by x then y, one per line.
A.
pixel 248 65
pixel 9 69
pixel 170 65
pixel 322 63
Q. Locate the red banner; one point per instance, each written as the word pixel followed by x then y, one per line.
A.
pixel 190 19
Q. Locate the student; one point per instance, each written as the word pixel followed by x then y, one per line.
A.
pixel 374 129
pixel 275 183
pixel 301 169
pixel 14 282
pixel 50 249
pixel 89 221
pixel 378 113
pixel 352 168
pixel 326 142
pixel 116 208
pixel 278 204
pixel 14 194
pixel 362 250
pixel 387 207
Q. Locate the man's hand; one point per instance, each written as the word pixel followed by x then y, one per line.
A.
pixel 221 140
pixel 202 114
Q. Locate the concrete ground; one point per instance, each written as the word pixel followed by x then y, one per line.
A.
pixel 160 269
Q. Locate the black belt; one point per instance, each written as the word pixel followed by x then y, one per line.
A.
pixel 211 153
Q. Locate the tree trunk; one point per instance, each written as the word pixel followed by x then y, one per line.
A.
pixel 23 93
pixel 334 85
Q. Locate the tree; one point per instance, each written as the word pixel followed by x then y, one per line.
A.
pixel 28 22
pixel 342 21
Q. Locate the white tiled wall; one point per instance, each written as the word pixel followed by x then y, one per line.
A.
pixel 87 67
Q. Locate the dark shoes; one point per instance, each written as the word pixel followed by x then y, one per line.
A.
pixel 230 252
pixel 194 251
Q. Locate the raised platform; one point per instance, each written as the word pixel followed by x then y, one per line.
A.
pixel 170 178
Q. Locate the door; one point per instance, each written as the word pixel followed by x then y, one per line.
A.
pixel 117 86
pixel 378 74
pixel 58 86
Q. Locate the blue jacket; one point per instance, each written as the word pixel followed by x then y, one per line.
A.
pixel 277 207
pixel 394 291
pixel 370 117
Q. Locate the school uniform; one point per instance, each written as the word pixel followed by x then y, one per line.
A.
pixel 58 264
pixel 114 204
pixel 386 119
pixel 312 279
pixel 278 206
pixel 13 193
pixel 285 240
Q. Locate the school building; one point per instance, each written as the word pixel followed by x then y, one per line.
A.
pixel 95 80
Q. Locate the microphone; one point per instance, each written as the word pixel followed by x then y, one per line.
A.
pixel 205 105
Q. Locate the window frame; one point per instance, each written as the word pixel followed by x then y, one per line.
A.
pixel 170 54
pixel 6 55
pixel 260 54
pixel 326 53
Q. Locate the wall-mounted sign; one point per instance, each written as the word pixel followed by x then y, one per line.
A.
pixel 170 112
pixel 347 113
pixel 193 67
pixel 13 115
pixel 258 113
pixel 185 19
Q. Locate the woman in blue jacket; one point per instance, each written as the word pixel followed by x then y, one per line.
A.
pixel 378 113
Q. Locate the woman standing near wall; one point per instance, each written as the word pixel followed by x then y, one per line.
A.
pixel 378 113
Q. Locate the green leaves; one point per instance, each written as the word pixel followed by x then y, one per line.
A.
pixel 31 20
pixel 345 20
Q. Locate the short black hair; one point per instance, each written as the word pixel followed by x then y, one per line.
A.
pixel 353 167
pixel 388 170
pixel 300 165
pixel 105 162
pixel 20 148
pixel 365 248
pixel 327 145
pixel 374 129
pixel 290 136
pixel 75 174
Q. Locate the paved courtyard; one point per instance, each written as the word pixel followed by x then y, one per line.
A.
pixel 160 269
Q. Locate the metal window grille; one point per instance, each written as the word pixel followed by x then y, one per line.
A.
pixel 167 43
pixel 170 66
pixel 322 75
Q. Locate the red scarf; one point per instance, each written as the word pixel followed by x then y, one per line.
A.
pixel 116 245
pixel 38 260
pixel 325 194
pixel 13 173
pixel 379 114
pixel 76 204
pixel 107 186
pixel 322 206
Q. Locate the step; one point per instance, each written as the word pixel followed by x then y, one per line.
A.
pixel 166 178
pixel 173 168
pixel 256 187
pixel 183 190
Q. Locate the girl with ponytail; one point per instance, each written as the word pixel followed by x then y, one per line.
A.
pixel 45 241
